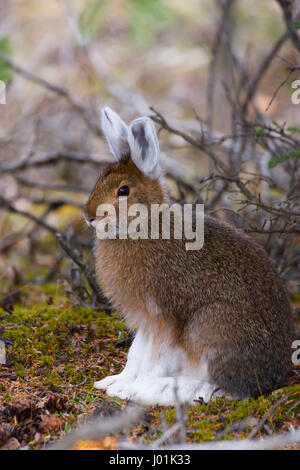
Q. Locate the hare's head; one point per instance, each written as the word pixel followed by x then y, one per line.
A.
pixel 136 173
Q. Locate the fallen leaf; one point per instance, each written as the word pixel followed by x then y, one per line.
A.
pixel 108 443
pixel 50 423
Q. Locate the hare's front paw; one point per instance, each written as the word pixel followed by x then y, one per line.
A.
pixel 120 389
pixel 104 383
pixel 115 386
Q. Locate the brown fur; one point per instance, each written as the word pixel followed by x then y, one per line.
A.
pixel 225 301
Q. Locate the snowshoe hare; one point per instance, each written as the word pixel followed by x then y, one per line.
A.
pixel 211 321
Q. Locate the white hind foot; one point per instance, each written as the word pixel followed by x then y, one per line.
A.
pixel 165 391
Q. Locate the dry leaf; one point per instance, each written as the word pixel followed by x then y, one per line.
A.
pixel 108 443
pixel 50 423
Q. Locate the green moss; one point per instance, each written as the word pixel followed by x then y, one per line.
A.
pixel 170 415
pixel 64 349
pixel 56 343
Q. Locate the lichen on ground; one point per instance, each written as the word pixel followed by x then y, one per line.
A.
pixel 59 350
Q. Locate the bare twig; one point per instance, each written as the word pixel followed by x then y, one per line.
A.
pixel 101 428
pixel 52 158
pixel 262 69
pixel 73 252
pixel 57 89
pixel 287 9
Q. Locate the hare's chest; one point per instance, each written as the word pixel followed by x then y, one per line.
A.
pixel 120 278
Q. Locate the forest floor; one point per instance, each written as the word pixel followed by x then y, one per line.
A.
pixel 57 352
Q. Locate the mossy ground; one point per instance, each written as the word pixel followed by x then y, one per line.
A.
pixel 59 350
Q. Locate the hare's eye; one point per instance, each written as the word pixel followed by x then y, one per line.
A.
pixel 123 191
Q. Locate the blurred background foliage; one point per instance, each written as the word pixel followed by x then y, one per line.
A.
pixel 128 54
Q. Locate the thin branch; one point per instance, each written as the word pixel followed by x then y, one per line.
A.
pixel 287 9
pixel 54 157
pixel 226 7
pixel 262 69
pixel 5 203
pixel 57 89
pixel 159 119
pixel 74 253
pixel 100 428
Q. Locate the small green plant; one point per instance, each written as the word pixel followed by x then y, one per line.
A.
pixel 296 25
pixel 275 123
pixel 90 18
pixel 282 158
pixel 146 17
pixel 5 49
pixel 293 129
pixel 260 131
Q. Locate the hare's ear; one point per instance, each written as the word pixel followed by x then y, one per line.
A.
pixel 144 147
pixel 116 133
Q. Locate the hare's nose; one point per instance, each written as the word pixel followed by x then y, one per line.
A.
pixel 90 221
pixel 93 222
